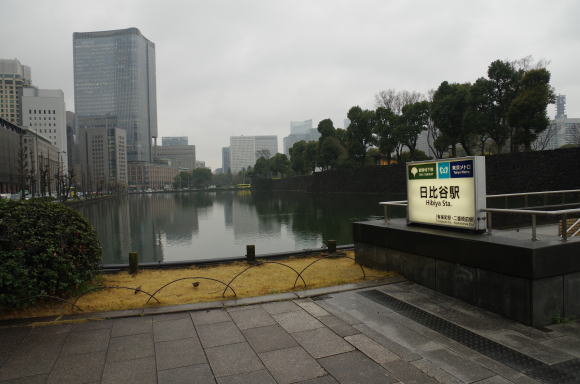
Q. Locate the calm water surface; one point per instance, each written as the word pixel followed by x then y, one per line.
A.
pixel 202 225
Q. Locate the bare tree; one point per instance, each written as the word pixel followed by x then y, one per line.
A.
pixel 544 139
pixel 395 101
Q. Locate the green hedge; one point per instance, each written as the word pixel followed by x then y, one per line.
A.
pixel 45 249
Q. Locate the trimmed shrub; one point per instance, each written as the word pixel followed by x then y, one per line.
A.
pixel 45 249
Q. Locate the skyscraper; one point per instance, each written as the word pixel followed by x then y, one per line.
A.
pixel 245 150
pixel 114 77
pixel 13 77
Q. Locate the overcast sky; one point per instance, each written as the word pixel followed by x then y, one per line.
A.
pixel 249 67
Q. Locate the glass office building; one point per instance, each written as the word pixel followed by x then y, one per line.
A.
pixel 114 78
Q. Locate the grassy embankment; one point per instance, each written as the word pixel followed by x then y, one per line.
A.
pixel 263 280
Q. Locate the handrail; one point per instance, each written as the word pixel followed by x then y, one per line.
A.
pixel 533 212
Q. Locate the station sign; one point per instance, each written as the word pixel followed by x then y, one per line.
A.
pixel 447 192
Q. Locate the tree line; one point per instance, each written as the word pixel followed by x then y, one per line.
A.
pixel 504 111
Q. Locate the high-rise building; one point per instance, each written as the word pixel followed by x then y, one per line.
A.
pixel 174 140
pixel 43 112
pixel 300 127
pixel 114 81
pixel 226 162
pixel 13 77
pixel 71 147
pixel 290 140
pixel 560 106
pixel 561 131
pixel 178 156
pixel 103 159
pixel 245 150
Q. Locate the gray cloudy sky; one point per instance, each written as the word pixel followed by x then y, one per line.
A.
pixel 249 67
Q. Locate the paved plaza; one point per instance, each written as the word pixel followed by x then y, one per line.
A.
pixel 395 333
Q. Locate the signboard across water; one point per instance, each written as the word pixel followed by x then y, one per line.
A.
pixel 447 192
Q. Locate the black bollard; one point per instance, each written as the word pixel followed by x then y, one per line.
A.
pixel 133 263
pixel 331 245
pixel 251 253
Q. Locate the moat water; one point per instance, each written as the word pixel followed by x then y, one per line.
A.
pixel 164 227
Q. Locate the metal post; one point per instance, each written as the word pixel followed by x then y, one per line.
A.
pixel 525 201
pixel 488 214
pixel 534 238
pixel 251 253
pixel 386 208
pixel 133 263
pixel 564 227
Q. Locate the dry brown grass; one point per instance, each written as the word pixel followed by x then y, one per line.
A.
pixel 261 280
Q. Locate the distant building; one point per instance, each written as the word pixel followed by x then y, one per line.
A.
pixel 226 161
pixel 199 164
pixel 178 155
pixel 13 77
pixel 43 112
pixel 103 159
pixel 72 150
pixel 561 131
pixel 290 140
pixel 28 161
pixel 144 175
pixel 115 86
pixel 245 150
pixel 174 140
pixel 300 127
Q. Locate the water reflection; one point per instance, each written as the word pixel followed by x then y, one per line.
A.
pixel 186 226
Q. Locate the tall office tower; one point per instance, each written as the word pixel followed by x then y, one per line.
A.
pixel 13 77
pixel 300 127
pixel 43 112
pixel 71 147
pixel 114 77
pixel 103 158
pixel 245 150
pixel 560 106
pixel 226 163
pixel 174 140
pixel 177 156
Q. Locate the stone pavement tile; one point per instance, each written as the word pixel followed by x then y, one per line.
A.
pixel 401 351
pixel 297 321
pixel 311 307
pixel 503 370
pixel 435 372
pixel 131 347
pixel 138 371
pixel 31 359
pixel 372 349
pixel 266 339
pixel 322 342
pixel 320 380
pixel 193 374
pixel 256 377
pixel 242 308
pixel 280 307
pixel 39 379
pixel 209 317
pixel 212 335
pixel 252 318
pixel 57 329
pixel 171 316
pixel 173 329
pixel 567 344
pixel 354 367
pixel 77 369
pixel 408 373
pixel 460 367
pixel 233 359
pixel 92 325
pixel 333 309
pixel 340 327
pixel 495 380
pixel 132 326
pixel 291 365
pixel 179 353
pixel 88 341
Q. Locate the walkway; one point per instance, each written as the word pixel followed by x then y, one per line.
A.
pixel 394 333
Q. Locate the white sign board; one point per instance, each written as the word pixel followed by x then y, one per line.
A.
pixel 448 192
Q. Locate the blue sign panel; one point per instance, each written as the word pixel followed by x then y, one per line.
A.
pixel 462 168
pixel 443 170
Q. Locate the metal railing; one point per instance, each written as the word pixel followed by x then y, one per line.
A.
pixel 563 213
